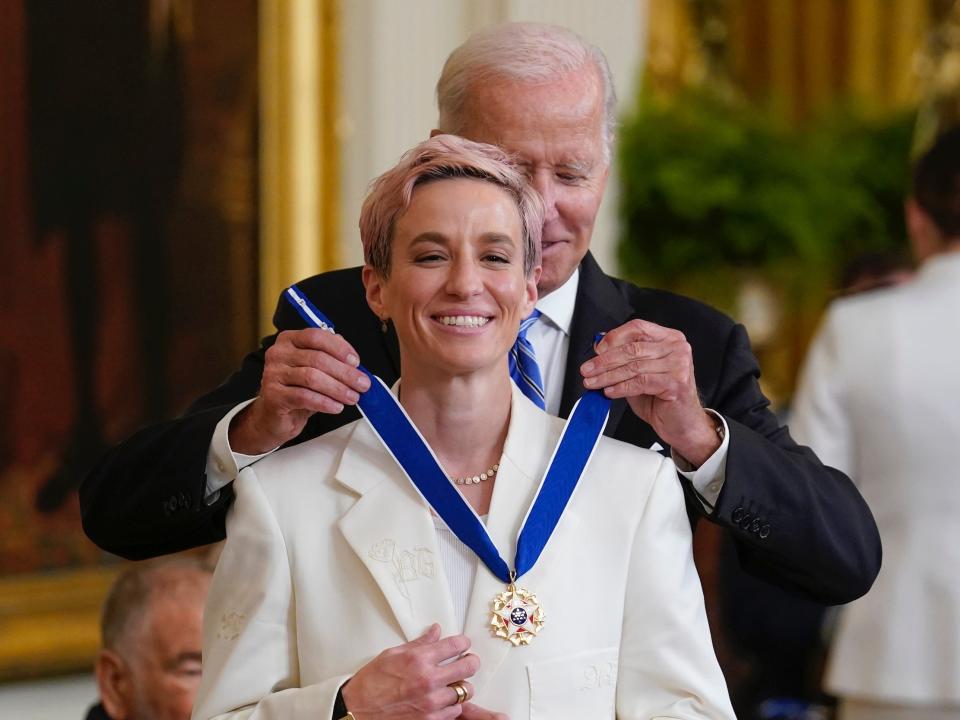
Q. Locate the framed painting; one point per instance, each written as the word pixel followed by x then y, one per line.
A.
pixel 128 285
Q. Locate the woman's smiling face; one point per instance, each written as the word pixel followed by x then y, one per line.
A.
pixel 457 290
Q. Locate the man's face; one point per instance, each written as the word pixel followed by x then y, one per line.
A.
pixel 162 661
pixel 167 674
pixel 556 132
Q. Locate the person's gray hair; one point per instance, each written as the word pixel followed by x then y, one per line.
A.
pixel 524 52
pixel 129 600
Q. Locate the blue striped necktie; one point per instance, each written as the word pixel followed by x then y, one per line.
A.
pixel 523 363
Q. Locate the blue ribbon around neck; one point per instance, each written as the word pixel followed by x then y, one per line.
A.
pixel 415 457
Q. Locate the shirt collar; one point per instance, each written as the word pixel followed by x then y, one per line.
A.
pixel 558 306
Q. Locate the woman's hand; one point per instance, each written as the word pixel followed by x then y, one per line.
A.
pixel 413 681
pixel 475 712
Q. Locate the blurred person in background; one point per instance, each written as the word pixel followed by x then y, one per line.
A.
pixel 782 676
pixel 148 667
pixel 872 271
pixel 879 398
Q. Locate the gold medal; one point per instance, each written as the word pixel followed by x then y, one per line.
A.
pixel 517 616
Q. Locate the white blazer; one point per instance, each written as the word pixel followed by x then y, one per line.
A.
pixel 331 557
pixel 880 399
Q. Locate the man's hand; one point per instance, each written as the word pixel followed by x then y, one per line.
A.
pixel 413 681
pixel 305 371
pixel 652 367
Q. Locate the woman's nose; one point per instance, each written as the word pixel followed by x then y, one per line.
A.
pixel 464 279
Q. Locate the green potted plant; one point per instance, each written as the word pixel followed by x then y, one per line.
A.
pixel 721 200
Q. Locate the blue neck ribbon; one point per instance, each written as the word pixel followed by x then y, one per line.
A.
pixel 406 445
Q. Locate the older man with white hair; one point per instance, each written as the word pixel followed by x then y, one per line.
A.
pixel 682 374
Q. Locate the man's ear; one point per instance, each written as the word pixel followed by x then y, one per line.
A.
pixel 115 684
pixel 435 132
pixel 373 285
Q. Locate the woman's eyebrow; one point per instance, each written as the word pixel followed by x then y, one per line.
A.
pixel 429 236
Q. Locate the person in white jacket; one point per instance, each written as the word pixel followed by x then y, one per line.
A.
pixel 879 398
pixel 342 593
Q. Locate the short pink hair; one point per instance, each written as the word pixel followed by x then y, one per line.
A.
pixel 442 157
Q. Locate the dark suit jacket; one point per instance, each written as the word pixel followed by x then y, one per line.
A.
pixel 795 522
pixel 97 712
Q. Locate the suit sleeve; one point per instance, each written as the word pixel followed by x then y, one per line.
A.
pixel 667 667
pixel 796 522
pixel 146 496
pixel 250 659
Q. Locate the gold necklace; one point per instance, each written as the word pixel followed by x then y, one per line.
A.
pixel 477 479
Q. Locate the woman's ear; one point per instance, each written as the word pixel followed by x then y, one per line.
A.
pixel 373 285
pixel 114 683
pixel 530 300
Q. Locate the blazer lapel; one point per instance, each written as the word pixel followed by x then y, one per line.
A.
pixel 599 308
pixel 531 438
pixel 392 533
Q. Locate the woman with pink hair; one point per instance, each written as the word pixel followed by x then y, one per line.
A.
pixel 459 552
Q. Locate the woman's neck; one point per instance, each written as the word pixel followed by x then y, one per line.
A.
pixel 463 418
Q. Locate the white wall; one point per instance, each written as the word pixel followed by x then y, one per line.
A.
pixel 391 55
pixel 66 698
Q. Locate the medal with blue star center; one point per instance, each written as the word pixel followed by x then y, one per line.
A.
pixel 517 616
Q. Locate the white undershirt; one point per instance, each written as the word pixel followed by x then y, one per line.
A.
pixel 460 567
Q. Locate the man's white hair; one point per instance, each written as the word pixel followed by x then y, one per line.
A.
pixel 525 52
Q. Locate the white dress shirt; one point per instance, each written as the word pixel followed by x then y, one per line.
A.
pixel 550 337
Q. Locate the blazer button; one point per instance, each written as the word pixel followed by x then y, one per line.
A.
pixel 764 531
pixel 745 520
pixel 737 515
pixel 755 525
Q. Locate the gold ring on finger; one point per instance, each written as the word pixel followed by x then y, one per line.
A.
pixel 461 692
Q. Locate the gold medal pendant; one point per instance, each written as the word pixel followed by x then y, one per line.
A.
pixel 517 616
